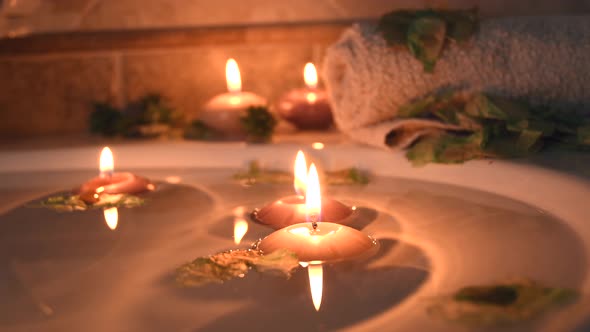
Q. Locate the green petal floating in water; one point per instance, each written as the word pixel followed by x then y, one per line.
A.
pixel 255 174
pixel 68 203
pixel 232 264
pixel 503 303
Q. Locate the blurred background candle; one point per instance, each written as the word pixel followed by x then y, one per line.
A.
pixel 306 108
pixel 223 112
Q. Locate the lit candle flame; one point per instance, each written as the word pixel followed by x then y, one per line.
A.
pixel 232 76
pixel 111 216
pixel 313 198
pixel 300 173
pixel 317 145
pixel 240 229
pixel 316 283
pixel 310 75
pixel 106 163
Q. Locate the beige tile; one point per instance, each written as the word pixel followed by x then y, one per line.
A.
pixel 50 96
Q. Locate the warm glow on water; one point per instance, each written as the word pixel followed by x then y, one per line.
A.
pixel 316 283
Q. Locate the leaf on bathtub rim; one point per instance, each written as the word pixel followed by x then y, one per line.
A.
pixel 426 38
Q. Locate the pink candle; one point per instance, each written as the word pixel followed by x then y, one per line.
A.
pixel 306 108
pixel 112 183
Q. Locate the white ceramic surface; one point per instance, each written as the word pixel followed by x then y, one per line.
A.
pixel 562 194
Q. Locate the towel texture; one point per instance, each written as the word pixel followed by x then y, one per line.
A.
pixel 543 59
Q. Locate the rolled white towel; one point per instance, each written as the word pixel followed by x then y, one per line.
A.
pixel 543 59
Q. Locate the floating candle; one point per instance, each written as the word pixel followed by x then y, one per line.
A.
pixel 291 209
pixel 317 241
pixel 109 182
pixel 306 108
pixel 223 112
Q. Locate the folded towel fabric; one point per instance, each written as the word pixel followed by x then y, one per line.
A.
pixel 545 60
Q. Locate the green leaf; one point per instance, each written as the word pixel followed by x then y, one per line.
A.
pixel 69 203
pixel 584 135
pixel 426 38
pixel 198 130
pixel 500 304
pixel 495 294
pixel 258 123
pixel 482 107
pixel 528 138
pixel 448 149
pixel 418 107
pixel 106 120
pixel 232 264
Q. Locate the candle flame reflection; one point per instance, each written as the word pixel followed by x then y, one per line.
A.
pixel 107 162
pixel 316 283
pixel 300 174
pixel 232 76
pixel 313 199
pixel 310 75
pixel 240 229
pixel 111 217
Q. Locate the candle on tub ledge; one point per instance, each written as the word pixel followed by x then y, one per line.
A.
pixel 110 182
pixel 291 209
pixel 316 242
pixel 223 112
pixel 306 108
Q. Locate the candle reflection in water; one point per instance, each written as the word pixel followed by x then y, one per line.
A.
pixel 111 217
pixel 316 283
pixel 313 210
pixel 240 224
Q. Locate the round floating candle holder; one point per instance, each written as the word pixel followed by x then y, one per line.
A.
pixel 109 182
pixel 326 243
pixel 291 210
pixel 117 183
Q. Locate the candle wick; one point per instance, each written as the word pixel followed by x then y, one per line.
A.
pixel 314 221
pixel 106 174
